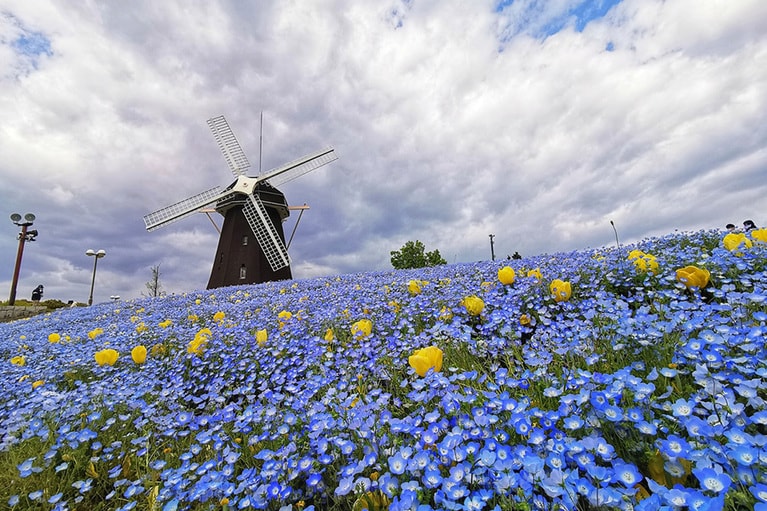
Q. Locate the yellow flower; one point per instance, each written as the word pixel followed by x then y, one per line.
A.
pixel 285 315
pixel 19 360
pixel 536 274
pixel 329 335
pixel 561 290
pixel 692 276
pixel 37 383
pixel 138 354
pixel 141 327
pixel 371 501
pixel 759 235
pixel 362 328
pixel 197 345
pixel 414 287
pixel 193 317
pixel 157 350
pixel 506 275
pixel 645 263
pixel 445 314
pixel 473 305
pixel 54 338
pixel 95 333
pixel 394 304
pixel 426 358
pixel 166 323
pixel 224 501
pixel 524 320
pixel 107 356
pixel 734 240
pixel 219 316
pixel 261 337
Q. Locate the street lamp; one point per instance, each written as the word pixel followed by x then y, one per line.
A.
pixel 98 255
pixel 24 236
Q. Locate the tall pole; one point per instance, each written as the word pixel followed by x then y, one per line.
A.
pixel 93 280
pixel 492 250
pixel 17 268
pixel 96 256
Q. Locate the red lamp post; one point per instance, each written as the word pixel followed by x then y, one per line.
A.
pixel 24 236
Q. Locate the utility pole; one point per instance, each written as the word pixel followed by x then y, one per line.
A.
pixel 492 250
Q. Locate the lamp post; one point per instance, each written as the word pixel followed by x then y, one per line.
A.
pixel 24 235
pixel 97 255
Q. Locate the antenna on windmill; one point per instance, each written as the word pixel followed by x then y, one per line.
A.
pixel 261 142
pixel 250 205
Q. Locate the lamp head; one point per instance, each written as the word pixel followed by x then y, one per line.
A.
pixel 29 217
pixel 15 217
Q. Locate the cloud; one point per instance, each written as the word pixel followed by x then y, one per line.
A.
pixel 538 122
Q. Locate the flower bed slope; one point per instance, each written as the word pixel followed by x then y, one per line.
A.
pixel 630 378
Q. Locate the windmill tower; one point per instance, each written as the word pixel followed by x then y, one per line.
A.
pixel 251 247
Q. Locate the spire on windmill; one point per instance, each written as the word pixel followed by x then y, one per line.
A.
pixel 252 207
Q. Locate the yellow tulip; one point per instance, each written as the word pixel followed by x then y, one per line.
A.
pixel 692 276
pixel 285 315
pixel 734 240
pixel 524 320
pixel 18 360
pixel 166 323
pixel 561 290
pixel 141 327
pixel 261 337
pixel 329 335
pixel 219 316
pixel 138 354
pixel 54 338
pixel 426 358
pixel 473 305
pixel 506 275
pixel 107 356
pixel 414 287
pixel 536 274
pixel 645 263
pixel 37 383
pixel 362 328
pixel 759 235
pixel 95 333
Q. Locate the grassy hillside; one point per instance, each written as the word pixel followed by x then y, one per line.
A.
pixel 625 384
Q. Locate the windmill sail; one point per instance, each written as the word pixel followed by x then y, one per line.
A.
pixel 266 235
pixel 182 208
pixel 299 167
pixel 230 147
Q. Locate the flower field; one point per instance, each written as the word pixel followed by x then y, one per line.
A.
pixel 618 378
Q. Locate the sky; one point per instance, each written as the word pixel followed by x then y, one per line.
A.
pixel 538 122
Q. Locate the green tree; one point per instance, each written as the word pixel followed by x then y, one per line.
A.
pixel 413 255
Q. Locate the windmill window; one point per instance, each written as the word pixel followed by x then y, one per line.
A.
pixel 243 272
pixel 245 240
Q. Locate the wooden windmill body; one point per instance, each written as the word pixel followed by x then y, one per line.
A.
pixel 251 247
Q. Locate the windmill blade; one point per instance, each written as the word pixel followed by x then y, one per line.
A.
pixel 266 235
pixel 182 208
pixel 230 147
pixel 299 167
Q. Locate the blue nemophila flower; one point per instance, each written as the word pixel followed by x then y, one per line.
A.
pixel 711 480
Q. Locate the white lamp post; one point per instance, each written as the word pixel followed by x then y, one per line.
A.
pixel 97 255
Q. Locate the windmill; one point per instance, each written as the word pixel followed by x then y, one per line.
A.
pixel 252 207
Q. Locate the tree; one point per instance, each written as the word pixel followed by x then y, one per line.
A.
pixel 154 286
pixel 413 255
